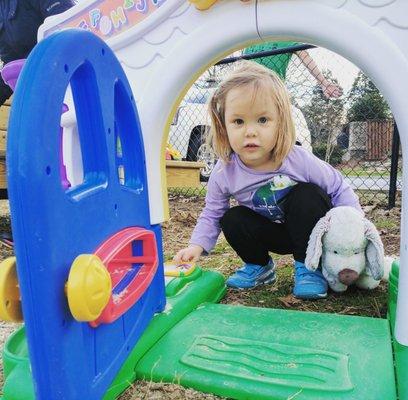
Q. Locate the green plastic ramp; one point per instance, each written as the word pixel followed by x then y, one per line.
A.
pixel 252 353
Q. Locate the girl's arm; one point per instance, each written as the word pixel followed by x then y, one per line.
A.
pixel 208 228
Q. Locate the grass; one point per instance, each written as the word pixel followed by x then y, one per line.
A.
pixel 362 172
pixel 354 301
pixel 386 223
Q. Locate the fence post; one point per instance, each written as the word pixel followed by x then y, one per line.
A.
pixel 394 168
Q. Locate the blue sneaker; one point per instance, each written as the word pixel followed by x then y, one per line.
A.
pixel 308 284
pixel 252 275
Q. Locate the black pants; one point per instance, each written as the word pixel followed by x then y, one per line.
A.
pixel 252 235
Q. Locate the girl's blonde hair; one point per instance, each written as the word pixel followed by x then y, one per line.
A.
pixel 259 77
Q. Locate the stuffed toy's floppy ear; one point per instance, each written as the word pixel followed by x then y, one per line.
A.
pixel 315 245
pixel 374 251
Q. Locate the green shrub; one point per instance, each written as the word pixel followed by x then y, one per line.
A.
pixel 319 150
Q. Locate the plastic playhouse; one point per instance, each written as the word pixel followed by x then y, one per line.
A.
pixel 88 277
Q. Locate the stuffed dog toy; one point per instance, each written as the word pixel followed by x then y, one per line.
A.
pixel 348 248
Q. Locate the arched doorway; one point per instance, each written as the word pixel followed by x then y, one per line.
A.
pixel 368 47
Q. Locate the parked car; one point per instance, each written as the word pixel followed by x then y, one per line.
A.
pixel 190 128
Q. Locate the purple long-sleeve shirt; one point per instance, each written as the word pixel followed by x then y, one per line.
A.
pixel 265 191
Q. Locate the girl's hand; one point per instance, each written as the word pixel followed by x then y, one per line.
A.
pixel 188 254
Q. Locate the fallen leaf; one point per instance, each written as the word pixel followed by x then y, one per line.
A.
pixel 289 300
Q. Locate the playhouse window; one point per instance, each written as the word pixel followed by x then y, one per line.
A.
pixel 84 145
pixel 128 141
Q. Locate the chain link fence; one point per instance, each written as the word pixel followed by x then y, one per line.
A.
pixel 354 132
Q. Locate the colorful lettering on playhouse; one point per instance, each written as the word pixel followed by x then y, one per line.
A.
pixel 109 18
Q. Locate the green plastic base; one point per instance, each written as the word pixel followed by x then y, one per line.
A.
pixel 183 295
pixel 400 351
pixel 18 380
pixel 251 353
pixel 247 353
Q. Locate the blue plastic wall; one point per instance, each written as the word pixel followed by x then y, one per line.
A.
pixel 52 226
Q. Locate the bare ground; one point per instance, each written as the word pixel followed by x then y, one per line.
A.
pixel 176 232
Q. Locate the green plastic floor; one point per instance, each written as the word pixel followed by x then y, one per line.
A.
pixel 252 353
pixel 244 353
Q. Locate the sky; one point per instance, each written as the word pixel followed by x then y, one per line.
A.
pixel 341 68
pixel 300 81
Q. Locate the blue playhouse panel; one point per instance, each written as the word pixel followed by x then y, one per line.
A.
pixel 51 226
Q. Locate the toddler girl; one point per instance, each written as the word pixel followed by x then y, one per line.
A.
pixel 282 189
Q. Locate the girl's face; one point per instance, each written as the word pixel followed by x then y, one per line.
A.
pixel 251 120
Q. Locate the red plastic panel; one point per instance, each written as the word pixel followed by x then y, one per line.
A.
pixel 117 255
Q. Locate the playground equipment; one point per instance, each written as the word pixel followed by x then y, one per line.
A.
pixel 238 352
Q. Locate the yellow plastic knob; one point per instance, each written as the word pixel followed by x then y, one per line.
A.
pixel 203 4
pixel 10 301
pixel 88 288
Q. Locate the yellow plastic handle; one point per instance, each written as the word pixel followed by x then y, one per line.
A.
pixel 203 4
pixel 88 288
pixel 10 301
pixel 178 271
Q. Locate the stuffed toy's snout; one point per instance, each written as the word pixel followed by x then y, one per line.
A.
pixel 348 248
pixel 348 276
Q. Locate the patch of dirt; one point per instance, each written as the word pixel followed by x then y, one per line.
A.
pixel 142 390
